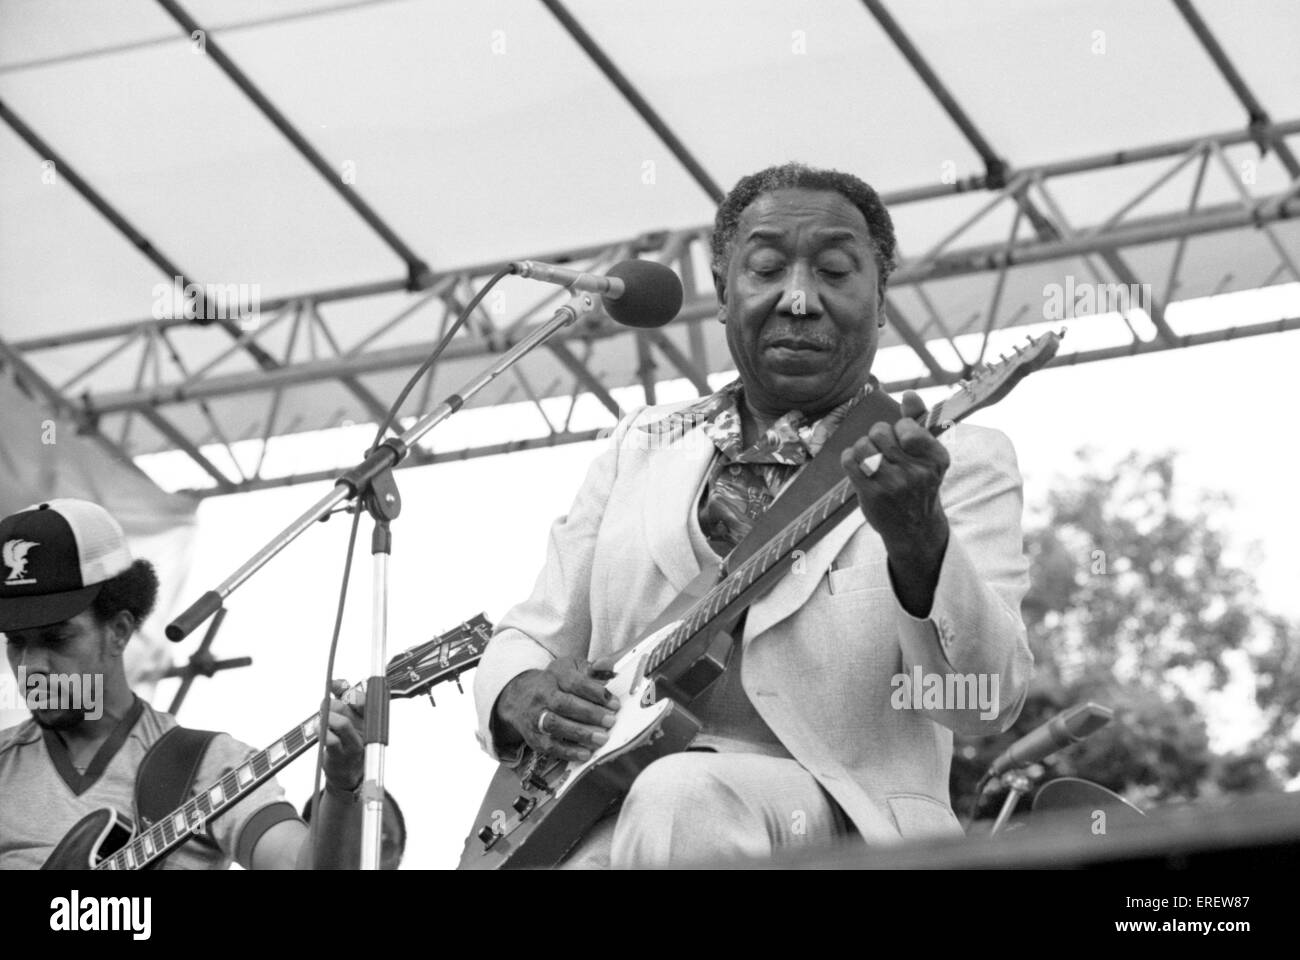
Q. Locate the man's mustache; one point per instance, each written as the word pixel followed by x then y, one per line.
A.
pixel 797 341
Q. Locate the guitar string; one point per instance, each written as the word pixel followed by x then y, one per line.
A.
pixel 231 786
pixel 688 627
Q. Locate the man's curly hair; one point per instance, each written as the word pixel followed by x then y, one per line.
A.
pixel 135 590
pixel 799 176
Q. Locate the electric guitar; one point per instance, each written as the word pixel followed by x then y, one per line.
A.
pixel 105 840
pixel 535 813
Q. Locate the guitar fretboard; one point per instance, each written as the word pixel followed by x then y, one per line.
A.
pixel 190 819
pixel 705 612
pixel 408 672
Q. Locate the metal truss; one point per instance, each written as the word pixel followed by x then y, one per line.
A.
pixel 660 356
pixel 176 398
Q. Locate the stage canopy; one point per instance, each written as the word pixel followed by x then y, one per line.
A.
pixel 337 179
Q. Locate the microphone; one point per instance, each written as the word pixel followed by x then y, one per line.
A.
pixel 636 293
pixel 1062 730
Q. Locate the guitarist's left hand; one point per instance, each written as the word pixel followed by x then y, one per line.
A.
pixel 345 759
pixel 901 500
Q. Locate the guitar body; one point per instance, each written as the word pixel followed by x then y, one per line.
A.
pixel 555 808
pixel 536 813
pixel 96 835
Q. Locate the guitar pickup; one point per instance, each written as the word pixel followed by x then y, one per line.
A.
pixel 533 776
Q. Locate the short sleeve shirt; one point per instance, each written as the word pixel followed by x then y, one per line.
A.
pixel 42 795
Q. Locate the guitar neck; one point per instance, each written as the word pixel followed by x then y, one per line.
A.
pixel 190 819
pixel 409 673
pixel 760 571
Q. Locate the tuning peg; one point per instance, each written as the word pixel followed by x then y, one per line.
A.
pixel 458 686
pixel 432 702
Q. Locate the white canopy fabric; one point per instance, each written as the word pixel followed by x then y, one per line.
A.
pixel 477 132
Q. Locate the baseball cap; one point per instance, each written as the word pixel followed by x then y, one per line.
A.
pixel 54 559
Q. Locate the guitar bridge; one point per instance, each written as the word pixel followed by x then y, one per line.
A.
pixel 532 776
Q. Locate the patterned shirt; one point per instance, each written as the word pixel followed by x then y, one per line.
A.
pixel 743 481
pixel 740 484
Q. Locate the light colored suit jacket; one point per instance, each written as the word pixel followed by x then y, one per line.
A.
pixel 822 648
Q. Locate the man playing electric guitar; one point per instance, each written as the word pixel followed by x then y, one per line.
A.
pixel 71 597
pixel 802 740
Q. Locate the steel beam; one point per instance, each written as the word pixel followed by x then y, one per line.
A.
pixel 976 259
pixel 61 406
pixel 996 170
pixel 685 366
pixel 420 457
pixel 230 27
pixel 183 443
pixel 995 166
pixel 416 269
pixel 1258 116
pixel 120 223
pixel 1132 233
pixel 633 97
pixel 1092 162
pixel 584 376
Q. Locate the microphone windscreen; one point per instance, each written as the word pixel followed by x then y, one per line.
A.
pixel 652 294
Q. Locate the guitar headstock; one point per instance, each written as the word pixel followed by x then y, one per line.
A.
pixel 444 657
pixel 991 382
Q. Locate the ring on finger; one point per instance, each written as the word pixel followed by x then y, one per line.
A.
pixel 541 722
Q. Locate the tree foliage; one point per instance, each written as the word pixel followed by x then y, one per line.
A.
pixel 1135 603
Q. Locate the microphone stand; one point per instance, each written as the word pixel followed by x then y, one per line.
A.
pixel 371 483
pixel 202 664
pixel 1017 783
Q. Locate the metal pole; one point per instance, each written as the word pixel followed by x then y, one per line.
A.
pixel 354 481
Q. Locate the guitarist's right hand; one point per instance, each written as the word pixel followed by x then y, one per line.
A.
pixel 580 709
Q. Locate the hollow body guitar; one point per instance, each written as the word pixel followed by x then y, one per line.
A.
pixel 536 812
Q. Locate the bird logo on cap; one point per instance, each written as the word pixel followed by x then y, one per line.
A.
pixel 14 555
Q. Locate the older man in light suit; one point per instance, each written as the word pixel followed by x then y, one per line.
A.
pixel 804 738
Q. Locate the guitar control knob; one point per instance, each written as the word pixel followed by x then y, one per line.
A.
pixel 487 834
pixel 522 804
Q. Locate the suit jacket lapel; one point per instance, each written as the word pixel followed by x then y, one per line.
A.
pixel 794 589
pixel 674 481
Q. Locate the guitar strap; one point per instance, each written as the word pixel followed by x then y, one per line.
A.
pixel 167 772
pixel 821 473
